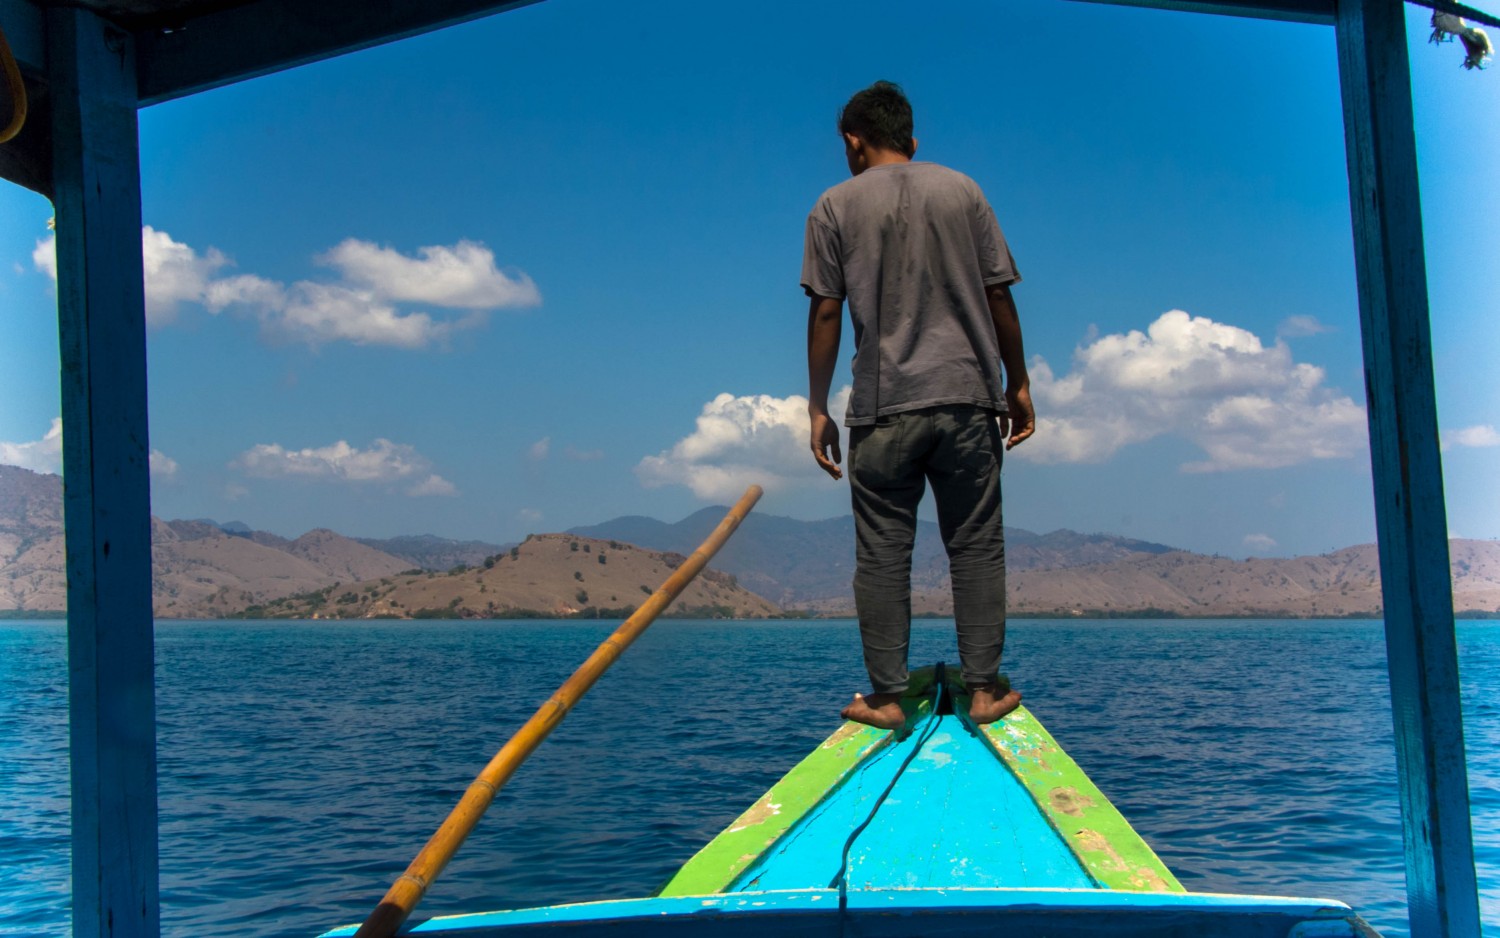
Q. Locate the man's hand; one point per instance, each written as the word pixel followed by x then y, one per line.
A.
pixel 1021 417
pixel 825 436
pixel 1021 421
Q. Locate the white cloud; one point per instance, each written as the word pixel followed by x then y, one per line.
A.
pixel 738 441
pixel 234 491
pixel 1245 404
pixel 1296 327
pixel 1477 436
pixel 433 485
pixel 44 256
pixel 317 313
pixel 383 461
pixel 538 451
pixel 1260 542
pixel 43 455
pixel 362 307
pixel 529 514
pixel 246 289
pixel 175 273
pixel 461 277
pixel 162 466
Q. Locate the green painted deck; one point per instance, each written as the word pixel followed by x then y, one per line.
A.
pixel 999 806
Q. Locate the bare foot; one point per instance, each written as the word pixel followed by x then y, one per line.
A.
pixel 882 711
pixel 986 707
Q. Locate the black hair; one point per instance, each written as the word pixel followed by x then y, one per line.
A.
pixel 880 115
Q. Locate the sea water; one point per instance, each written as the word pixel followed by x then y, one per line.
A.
pixel 302 764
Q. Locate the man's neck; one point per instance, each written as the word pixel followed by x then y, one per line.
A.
pixel 876 157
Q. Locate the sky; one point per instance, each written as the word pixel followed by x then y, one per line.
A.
pixel 541 270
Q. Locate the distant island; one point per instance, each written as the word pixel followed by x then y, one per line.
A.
pixel 774 567
pixel 548 576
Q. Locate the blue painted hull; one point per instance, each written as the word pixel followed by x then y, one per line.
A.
pixel 954 818
pixel 950 829
pixel 903 913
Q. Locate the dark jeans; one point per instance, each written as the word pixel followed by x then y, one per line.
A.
pixel 958 449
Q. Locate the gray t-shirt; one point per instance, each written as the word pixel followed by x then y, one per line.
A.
pixel 912 247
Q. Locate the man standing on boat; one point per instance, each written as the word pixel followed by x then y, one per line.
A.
pixel 916 250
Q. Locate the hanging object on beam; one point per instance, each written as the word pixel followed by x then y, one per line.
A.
pixel 1446 26
pixel 1450 20
pixel 16 91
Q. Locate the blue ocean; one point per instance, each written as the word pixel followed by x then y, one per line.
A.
pixel 302 764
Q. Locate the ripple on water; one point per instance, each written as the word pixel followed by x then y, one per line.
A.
pixel 300 769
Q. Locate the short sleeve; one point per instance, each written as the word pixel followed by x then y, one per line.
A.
pixel 822 260
pixel 995 262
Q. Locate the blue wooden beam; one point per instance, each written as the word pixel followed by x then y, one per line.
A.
pixel 106 489
pixel 1295 11
pixel 1411 520
pixel 194 53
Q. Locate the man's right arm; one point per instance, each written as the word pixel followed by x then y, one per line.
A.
pixel 1022 415
pixel 825 323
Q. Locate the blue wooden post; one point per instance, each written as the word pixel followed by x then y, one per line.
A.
pixel 107 497
pixel 1410 517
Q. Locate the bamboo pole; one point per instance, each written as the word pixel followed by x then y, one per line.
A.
pixel 409 889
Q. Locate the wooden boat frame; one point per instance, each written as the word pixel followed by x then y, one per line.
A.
pixel 89 65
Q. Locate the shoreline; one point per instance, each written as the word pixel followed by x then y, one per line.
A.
pixel 53 615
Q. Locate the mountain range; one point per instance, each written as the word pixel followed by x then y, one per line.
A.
pixel 205 569
pixel 811 563
pixel 199 568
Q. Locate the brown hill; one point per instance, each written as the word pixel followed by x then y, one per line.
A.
pixel 343 557
pixel 547 575
pixel 31 572
pixel 199 571
pixel 1342 583
pixel 31 546
pixel 428 552
pixel 30 502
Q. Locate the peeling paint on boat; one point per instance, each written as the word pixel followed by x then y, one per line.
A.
pixel 1104 842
